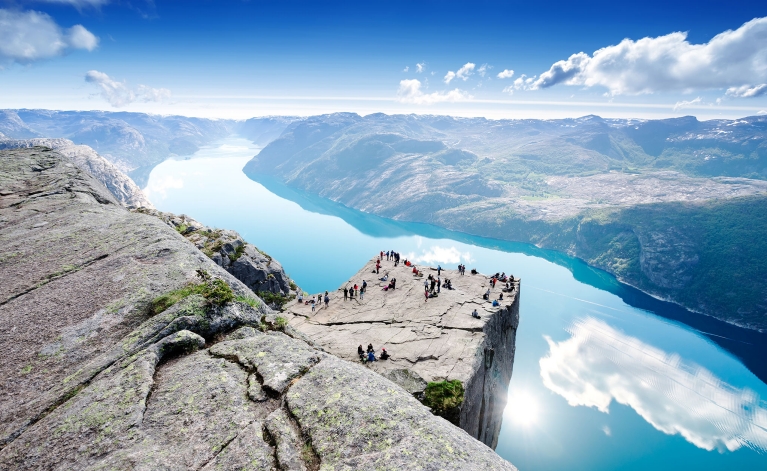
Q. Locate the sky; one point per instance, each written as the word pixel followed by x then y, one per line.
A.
pixel 239 59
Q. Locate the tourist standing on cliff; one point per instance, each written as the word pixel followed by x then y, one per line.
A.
pixel 346 293
pixel 327 299
pixel 439 283
pixel 425 293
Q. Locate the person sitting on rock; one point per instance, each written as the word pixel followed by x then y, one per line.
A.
pixel 300 295
pixel 475 314
pixel 474 271
pixel 361 353
pixel 496 303
pixel 500 297
pixel 384 354
pixel 385 277
pixel 486 296
pixel 370 348
pixel 371 356
pixel 415 270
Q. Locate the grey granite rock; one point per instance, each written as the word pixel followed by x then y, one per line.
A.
pixel 363 421
pixel 285 434
pixel 85 158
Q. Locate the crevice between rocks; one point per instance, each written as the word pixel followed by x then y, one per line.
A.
pixel 54 277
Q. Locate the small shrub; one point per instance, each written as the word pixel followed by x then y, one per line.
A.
pixel 281 322
pixel 293 285
pixel 215 291
pixel 237 253
pixel 275 299
pixel 444 398
pixel 182 228
pixel 254 303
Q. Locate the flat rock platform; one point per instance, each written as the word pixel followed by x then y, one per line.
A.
pixel 433 340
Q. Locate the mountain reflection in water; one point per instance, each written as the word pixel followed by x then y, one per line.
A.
pixel 599 364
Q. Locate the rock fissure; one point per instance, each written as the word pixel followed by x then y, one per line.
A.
pixel 53 277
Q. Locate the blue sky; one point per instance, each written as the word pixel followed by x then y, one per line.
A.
pixel 240 59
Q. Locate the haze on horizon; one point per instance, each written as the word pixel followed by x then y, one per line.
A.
pixel 239 59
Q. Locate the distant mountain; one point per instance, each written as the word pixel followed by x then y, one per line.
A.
pixel 665 205
pixel 134 142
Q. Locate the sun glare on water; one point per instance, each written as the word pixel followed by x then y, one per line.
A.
pixel 522 408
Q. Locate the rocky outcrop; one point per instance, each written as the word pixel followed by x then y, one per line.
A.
pixel 126 347
pixel 257 270
pixel 429 341
pixel 85 158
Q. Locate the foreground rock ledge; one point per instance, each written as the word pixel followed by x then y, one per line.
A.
pixel 430 341
pixel 92 379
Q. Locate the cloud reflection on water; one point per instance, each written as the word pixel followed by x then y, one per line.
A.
pixel 436 254
pixel 599 363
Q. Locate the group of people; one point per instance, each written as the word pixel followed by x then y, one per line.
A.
pixel 461 269
pixel 315 301
pixel 390 255
pixel 429 285
pixel 370 354
pixel 355 291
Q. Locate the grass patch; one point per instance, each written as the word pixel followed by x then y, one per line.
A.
pixel 181 229
pixel 293 285
pixel 215 291
pixel 237 253
pixel 252 302
pixel 275 299
pixel 444 398
pixel 281 322
pixel 28 369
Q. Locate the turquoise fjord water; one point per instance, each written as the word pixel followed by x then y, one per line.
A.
pixel 604 377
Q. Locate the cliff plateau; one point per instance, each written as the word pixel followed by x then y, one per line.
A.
pixel 430 341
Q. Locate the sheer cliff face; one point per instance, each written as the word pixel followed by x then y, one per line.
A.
pixel 126 347
pixel 119 184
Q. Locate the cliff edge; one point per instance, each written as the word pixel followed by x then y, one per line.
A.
pixel 126 347
pixel 433 343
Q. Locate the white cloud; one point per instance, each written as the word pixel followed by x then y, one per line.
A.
pixel 80 4
pixel 463 73
pixel 440 255
pixel 80 38
pixel 158 189
pixel 509 89
pixel 762 112
pixel 28 36
pixel 599 364
pixel 420 67
pixel 483 69
pixel 410 92
pixel 669 63
pixel 407 67
pixel 118 94
pixel 506 73
pixel 523 82
pixel 747 91
pixel 607 430
pixel 686 104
